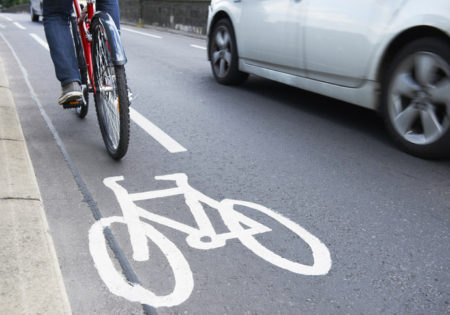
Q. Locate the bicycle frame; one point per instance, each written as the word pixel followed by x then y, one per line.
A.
pixel 89 17
pixel 83 21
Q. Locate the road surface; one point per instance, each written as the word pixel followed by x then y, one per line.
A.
pixel 364 227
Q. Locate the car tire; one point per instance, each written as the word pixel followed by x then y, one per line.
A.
pixel 415 98
pixel 224 55
pixel 34 17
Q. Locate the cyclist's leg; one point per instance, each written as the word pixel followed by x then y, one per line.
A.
pixel 112 8
pixel 57 30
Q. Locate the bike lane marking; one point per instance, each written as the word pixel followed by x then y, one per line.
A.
pixel 19 25
pixel 141 33
pixel 141 232
pixel 197 46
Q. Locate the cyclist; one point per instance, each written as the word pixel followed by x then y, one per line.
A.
pixel 57 15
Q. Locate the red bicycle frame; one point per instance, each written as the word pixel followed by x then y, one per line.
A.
pixel 84 18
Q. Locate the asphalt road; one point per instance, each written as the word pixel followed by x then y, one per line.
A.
pixel 328 167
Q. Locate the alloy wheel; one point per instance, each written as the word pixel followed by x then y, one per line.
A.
pixel 419 98
pixel 222 52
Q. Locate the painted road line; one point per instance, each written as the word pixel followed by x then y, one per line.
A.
pixel 2 26
pixel 199 47
pixel 164 139
pixel 39 40
pixel 20 26
pixel 142 33
pixel 7 18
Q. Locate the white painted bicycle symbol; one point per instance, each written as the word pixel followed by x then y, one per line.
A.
pixel 204 237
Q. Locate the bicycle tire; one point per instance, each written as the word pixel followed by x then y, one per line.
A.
pixel 82 110
pixel 321 254
pixel 111 95
pixel 135 292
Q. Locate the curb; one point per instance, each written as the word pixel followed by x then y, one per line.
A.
pixel 32 282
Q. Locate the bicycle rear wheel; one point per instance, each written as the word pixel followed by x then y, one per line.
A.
pixel 111 95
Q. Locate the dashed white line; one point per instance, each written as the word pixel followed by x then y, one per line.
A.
pixel 199 47
pixel 8 18
pixel 2 26
pixel 40 40
pixel 164 139
pixel 142 33
pixel 20 26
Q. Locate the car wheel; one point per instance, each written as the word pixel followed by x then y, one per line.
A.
pixel 224 56
pixel 416 98
pixel 34 17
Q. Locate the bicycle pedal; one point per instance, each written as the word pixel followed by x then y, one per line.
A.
pixel 72 104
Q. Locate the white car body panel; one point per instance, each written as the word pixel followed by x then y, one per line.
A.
pixel 341 58
pixel 269 33
pixel 341 36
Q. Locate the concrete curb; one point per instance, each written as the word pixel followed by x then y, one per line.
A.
pixel 31 280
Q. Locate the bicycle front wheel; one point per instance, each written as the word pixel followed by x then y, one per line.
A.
pixel 111 95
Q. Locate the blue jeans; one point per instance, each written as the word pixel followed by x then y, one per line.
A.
pixel 59 37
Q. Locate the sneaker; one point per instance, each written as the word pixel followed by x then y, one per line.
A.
pixel 71 92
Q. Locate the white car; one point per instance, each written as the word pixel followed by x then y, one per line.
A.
pixel 35 9
pixel 387 55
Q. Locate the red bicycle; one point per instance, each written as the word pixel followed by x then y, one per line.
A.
pixel 101 60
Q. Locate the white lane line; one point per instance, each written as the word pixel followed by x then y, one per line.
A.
pixel 20 26
pixel 8 18
pixel 142 33
pixel 164 139
pixel 2 26
pixel 40 40
pixel 199 47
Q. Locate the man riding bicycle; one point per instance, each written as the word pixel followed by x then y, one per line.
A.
pixel 57 15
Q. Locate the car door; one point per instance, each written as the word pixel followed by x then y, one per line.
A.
pixel 269 34
pixel 341 37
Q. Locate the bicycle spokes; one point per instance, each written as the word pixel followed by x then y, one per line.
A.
pixel 106 85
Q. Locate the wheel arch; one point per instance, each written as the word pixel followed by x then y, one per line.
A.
pixel 400 41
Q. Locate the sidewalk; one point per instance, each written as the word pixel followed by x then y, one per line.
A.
pixel 30 278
